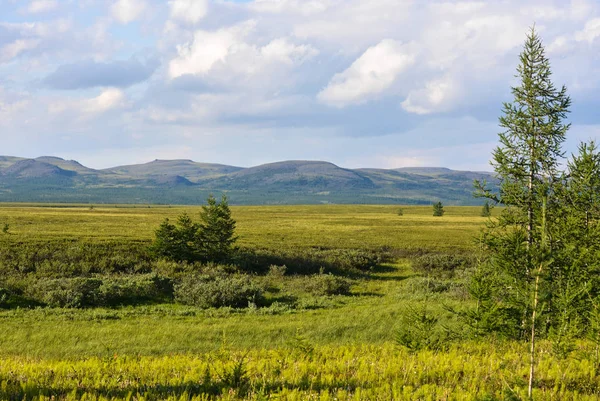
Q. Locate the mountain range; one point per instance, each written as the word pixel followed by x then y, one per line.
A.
pixel 52 179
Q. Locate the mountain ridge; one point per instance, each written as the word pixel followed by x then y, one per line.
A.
pixel 53 179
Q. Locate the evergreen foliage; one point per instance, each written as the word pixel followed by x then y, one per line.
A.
pixel 211 240
pixel 438 209
pixel 485 210
pixel 543 248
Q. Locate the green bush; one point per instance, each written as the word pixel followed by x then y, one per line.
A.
pixel 441 265
pixel 135 289
pixel 327 284
pixel 308 261
pixel 218 290
pixel 81 292
pixel 66 292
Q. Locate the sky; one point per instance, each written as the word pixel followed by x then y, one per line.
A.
pixel 378 83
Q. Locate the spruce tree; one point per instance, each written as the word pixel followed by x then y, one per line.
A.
pixel 438 209
pixel 216 234
pixel 526 163
pixel 485 210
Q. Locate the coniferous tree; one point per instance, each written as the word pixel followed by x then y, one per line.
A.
pixel 485 210
pixel 216 234
pixel 526 163
pixel 438 209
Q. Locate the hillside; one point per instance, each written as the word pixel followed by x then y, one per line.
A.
pixel 52 179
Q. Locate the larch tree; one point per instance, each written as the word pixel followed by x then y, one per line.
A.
pixel 527 163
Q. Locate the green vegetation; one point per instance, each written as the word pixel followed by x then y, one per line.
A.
pixel 344 303
pixel 438 209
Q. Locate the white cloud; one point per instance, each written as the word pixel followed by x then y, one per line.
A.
pixel 590 32
pixel 371 74
pixel 227 57
pixel 14 49
pixel 189 11
pixel 40 6
pixel 207 48
pixel 108 99
pixel 438 95
pixel 126 11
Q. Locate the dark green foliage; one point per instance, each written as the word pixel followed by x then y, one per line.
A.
pixel 400 212
pixel 216 233
pixel 327 284
pixel 211 240
pixel 442 265
pixel 5 228
pixel 218 290
pixel 308 261
pixel 81 292
pixel 485 210
pixel 438 209
pixel 420 330
pixel 76 292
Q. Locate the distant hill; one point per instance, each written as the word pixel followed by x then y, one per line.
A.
pixel 52 179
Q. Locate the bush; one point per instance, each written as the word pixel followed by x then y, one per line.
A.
pixel 66 293
pixel 441 265
pixel 308 261
pixel 327 284
pixel 83 292
pixel 214 291
pixel 135 289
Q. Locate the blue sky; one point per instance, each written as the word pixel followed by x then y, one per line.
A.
pixel 383 83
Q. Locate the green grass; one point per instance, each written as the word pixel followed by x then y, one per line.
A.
pixel 331 226
pixel 327 347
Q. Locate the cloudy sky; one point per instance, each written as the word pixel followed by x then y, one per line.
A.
pixel 378 83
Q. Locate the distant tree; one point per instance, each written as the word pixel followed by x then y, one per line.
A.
pixel 211 240
pixel 400 212
pixel 216 234
pixel 5 228
pixel 485 210
pixel 438 209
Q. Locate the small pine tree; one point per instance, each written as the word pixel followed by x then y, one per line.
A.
pixel 216 234
pixel 438 209
pixel 485 210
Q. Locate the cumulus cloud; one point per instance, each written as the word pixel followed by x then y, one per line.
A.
pixel 371 74
pixel 188 11
pixel 438 95
pixel 89 73
pixel 40 6
pixel 225 57
pixel 126 11
pixel 590 32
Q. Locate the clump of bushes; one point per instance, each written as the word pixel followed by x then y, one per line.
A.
pixel 81 292
pixel 308 261
pixel 327 284
pixel 218 290
pixel 442 265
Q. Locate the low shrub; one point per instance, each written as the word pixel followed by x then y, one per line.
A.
pixel 81 292
pixel 327 284
pixel 66 292
pixel 218 290
pixel 442 265
pixel 308 261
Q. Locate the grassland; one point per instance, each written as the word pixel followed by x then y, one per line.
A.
pixel 326 347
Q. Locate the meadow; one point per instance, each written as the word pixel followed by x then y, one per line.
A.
pixel 300 342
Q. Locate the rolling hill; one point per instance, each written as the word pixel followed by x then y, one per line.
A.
pixel 52 179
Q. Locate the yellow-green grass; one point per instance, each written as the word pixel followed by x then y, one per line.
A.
pixel 467 371
pixel 332 226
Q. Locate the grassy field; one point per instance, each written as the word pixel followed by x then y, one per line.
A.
pixel 333 226
pixel 324 347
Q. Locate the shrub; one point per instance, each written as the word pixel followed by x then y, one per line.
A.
pixel 214 291
pixel 441 265
pixel 66 292
pixel 135 289
pixel 327 284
